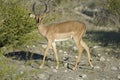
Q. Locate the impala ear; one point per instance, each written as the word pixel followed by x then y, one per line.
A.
pixel 31 15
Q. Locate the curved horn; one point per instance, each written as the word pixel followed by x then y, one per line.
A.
pixel 45 7
pixel 33 7
pixel 36 6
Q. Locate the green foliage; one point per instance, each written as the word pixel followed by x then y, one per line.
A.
pixel 114 6
pixel 14 23
pixel 12 71
pixel 109 15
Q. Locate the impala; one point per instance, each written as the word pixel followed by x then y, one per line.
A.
pixel 60 32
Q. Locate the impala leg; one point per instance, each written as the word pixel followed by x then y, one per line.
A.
pixel 46 50
pixel 55 53
pixel 84 45
pixel 80 49
pixel 78 58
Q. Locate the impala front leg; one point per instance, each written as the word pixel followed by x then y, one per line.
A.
pixel 78 58
pixel 55 53
pixel 48 46
pixel 80 49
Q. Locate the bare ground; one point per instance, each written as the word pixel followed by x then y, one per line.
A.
pixel 106 61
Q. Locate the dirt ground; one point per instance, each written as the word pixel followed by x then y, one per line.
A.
pixel 106 63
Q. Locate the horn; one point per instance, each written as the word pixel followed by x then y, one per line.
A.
pixel 33 7
pixel 36 6
pixel 45 7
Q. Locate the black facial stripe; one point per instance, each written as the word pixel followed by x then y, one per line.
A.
pixel 38 20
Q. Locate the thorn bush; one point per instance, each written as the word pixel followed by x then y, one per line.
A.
pixel 14 23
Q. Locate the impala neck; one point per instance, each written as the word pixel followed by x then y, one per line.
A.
pixel 42 30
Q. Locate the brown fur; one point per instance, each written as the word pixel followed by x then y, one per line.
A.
pixel 64 30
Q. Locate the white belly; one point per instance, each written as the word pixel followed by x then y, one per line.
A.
pixel 57 40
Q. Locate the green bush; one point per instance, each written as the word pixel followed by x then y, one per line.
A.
pixel 114 6
pixel 14 23
pixel 109 15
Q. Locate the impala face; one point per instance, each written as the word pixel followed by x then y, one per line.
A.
pixel 38 17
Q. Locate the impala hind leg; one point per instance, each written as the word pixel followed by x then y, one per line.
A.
pixel 84 45
pixel 55 53
pixel 80 49
pixel 45 53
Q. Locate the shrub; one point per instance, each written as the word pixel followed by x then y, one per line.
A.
pixel 114 6
pixel 110 14
pixel 14 23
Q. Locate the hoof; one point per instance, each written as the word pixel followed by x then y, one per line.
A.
pixel 92 67
pixel 41 66
pixel 74 68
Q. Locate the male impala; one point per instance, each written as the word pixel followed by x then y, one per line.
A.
pixel 60 32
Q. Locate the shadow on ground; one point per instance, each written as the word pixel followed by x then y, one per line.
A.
pixel 106 38
pixel 23 55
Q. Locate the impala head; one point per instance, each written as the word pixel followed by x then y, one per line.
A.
pixel 38 16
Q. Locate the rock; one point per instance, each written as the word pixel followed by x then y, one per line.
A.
pixel 66 71
pixel 97 79
pixel 65 52
pixel 65 55
pixel 27 46
pixel 108 59
pixel 83 76
pixel 52 67
pixel 103 79
pixel 65 58
pixel 21 72
pixel 118 77
pixel 55 70
pixel 114 68
pixel 119 68
pixel 70 78
pixel 60 51
pixel 44 46
pixel 43 76
pixel 102 59
pixel 106 53
pixel 75 48
pixel 76 57
pixel 96 67
pixel 79 79
pixel 33 46
pixel 99 55
pixel 66 64
pixel 95 46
